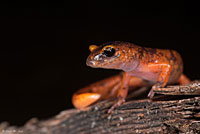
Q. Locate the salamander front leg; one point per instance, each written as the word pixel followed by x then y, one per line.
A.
pixel 162 79
pixel 122 92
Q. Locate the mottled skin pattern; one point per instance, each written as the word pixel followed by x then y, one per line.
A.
pixel 141 66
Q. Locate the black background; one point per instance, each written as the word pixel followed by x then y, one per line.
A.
pixel 43 47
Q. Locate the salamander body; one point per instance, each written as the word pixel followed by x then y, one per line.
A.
pixel 141 67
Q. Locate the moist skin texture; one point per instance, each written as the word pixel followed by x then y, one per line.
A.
pixel 141 67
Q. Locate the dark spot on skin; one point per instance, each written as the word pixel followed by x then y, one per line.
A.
pixel 172 56
pixel 152 51
pixel 161 54
pixel 145 50
pixel 124 88
pixel 140 52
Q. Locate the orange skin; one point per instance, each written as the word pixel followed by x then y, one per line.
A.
pixel 141 67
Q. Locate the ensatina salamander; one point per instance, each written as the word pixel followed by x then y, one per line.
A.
pixel 141 67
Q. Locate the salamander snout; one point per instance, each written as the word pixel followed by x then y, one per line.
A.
pixel 90 62
pixel 95 60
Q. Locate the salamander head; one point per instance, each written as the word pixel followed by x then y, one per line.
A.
pixel 113 55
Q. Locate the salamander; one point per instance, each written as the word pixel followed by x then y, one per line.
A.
pixel 141 66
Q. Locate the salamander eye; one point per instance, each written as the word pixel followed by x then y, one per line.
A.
pixel 108 52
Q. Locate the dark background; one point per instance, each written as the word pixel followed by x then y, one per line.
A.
pixel 43 47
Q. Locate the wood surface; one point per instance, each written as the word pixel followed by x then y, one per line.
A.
pixel 177 113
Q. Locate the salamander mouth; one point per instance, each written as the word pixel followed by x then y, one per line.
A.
pixel 102 63
pixel 91 63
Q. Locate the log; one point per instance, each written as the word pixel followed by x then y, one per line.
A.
pixel 191 89
pixel 178 115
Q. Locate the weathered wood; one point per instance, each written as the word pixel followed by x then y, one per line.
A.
pixel 191 89
pixel 136 116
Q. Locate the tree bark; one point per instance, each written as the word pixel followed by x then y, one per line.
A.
pixel 178 115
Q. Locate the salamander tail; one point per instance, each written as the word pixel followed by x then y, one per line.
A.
pixel 85 99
